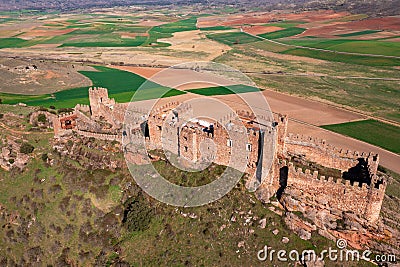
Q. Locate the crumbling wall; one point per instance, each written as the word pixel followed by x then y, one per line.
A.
pixel 156 123
pixel 109 137
pixel 64 123
pixel 362 199
pixel 317 150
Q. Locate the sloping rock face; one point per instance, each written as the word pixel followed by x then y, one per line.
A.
pixel 90 153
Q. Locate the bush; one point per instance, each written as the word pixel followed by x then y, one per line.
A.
pixel 138 214
pixel 26 148
pixel 70 143
pixel 11 161
pixel 42 118
pixel 52 107
pixel 1 116
pixel 45 157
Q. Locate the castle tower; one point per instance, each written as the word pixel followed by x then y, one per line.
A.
pixel 281 125
pixel 97 96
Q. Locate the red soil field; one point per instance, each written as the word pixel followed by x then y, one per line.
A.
pixel 257 18
pixel 257 29
pixel 386 23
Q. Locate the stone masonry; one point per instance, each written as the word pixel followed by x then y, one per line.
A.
pixel 167 127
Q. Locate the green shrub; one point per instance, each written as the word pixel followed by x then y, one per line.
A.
pixel 11 161
pixel 26 148
pixel 42 118
pixel 137 214
pixel 45 157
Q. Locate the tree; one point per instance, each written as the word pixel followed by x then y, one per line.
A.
pixel 137 214
pixel 45 157
pixel 26 148
pixel 42 118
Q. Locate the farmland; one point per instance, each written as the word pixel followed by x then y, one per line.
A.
pixel 371 131
pixel 121 85
pixel 283 33
pixel 233 38
pixel 355 81
pixel 224 90
pixel 386 48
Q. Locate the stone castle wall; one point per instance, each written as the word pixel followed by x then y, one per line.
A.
pixel 317 150
pixel 169 129
pixel 362 199
pixel 108 137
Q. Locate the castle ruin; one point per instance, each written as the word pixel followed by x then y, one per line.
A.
pixel 358 190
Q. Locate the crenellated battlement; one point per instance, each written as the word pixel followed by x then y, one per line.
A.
pixel 246 114
pixel 167 106
pixel 66 115
pixel 323 145
pixel 171 126
pixel 314 176
pixel 96 90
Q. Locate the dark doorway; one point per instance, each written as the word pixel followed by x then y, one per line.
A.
pixel 283 177
pixel 145 129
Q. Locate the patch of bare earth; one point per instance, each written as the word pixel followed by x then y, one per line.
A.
pixel 151 23
pixel 196 41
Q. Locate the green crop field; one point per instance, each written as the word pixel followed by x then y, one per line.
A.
pixel 369 47
pixel 352 59
pixel 315 42
pixel 167 30
pixel 117 42
pixel 178 26
pixel 152 40
pixel 232 38
pixel 12 42
pixel 358 33
pixel 352 46
pixel 374 132
pixel 216 28
pixel 121 85
pixel 224 90
pixel 282 33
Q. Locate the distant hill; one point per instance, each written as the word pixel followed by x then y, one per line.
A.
pixel 371 7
